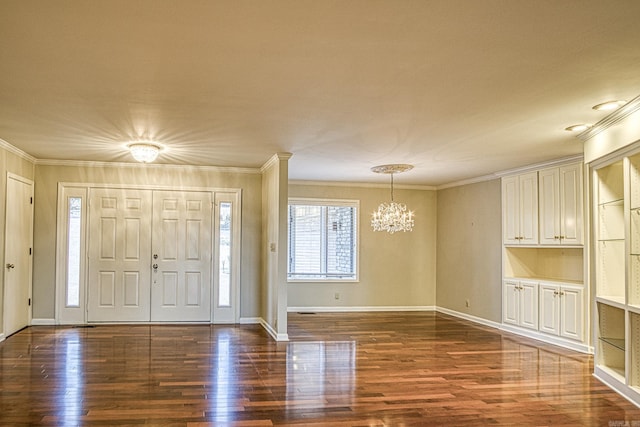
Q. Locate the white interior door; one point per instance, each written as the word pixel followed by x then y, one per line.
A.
pixel 18 241
pixel 119 255
pixel 182 256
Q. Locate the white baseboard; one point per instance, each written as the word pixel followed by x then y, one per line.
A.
pixel 469 317
pixel 276 336
pixel 250 320
pixel 359 309
pixel 549 339
pixel 43 322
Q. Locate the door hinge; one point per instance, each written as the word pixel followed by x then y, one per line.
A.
pixel 29 251
pixel 29 301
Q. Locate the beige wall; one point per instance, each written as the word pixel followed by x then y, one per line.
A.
pixel 469 249
pixel 396 270
pixel 47 178
pixel 9 163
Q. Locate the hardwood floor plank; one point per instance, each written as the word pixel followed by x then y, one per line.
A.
pixel 343 369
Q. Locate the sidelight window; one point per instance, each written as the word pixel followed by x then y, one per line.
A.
pixel 224 266
pixel 74 245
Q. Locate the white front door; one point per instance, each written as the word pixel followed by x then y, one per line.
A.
pixel 181 288
pixel 149 256
pixel 18 240
pixel 119 255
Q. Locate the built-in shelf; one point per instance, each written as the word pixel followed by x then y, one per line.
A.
pixel 615 301
pixel 616 258
pixel 616 342
pixel 552 264
pixel 611 338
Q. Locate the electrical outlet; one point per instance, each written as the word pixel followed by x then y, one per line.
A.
pixel 336 295
pixel 467 303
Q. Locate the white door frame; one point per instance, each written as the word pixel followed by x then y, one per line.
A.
pixel 78 315
pixel 30 263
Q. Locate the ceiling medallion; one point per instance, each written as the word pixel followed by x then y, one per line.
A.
pixel 392 217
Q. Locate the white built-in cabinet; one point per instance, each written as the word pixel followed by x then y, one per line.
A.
pixel 561 309
pixel 520 209
pixel 520 302
pixel 544 291
pixel 560 200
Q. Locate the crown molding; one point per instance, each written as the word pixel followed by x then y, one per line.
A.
pixel 551 163
pixel 18 152
pixel 363 185
pixel 469 181
pixel 82 163
pixel 274 159
pixel 610 120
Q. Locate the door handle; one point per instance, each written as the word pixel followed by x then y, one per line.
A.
pixel 10 266
pixel 155 266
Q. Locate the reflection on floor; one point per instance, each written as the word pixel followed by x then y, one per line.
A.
pixel 373 369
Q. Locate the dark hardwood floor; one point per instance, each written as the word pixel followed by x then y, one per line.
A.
pixel 373 369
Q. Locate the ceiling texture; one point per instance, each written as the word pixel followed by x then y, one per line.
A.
pixel 461 89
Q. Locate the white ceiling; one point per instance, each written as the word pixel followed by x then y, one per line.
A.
pixel 458 88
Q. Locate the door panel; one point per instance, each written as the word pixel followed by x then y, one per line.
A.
pixel 511 303
pixel 19 237
pixel 571 207
pixel 549 309
pixel 529 208
pixel 529 304
pixel 511 210
pixel 181 288
pixel 572 320
pixel 119 255
pixel 549 207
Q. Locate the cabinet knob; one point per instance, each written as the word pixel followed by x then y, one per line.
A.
pixel 556 237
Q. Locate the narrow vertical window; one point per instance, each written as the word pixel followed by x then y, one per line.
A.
pixel 73 251
pixel 224 264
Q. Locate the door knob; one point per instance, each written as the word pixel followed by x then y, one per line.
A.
pixel 155 256
pixel 155 266
pixel 10 266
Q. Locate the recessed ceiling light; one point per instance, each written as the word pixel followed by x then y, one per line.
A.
pixel 609 105
pixel 578 128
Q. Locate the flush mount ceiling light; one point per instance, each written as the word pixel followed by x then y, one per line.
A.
pixel 144 152
pixel 578 128
pixel 392 216
pixel 609 105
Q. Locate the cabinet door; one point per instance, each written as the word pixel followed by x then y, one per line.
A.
pixel 510 302
pixel 528 208
pixel 549 309
pixel 571 204
pixel 529 304
pixel 571 318
pixel 548 181
pixel 510 210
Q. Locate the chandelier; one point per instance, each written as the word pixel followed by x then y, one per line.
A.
pixel 145 152
pixel 392 216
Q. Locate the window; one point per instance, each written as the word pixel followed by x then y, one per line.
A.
pixel 74 232
pixel 323 240
pixel 224 266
